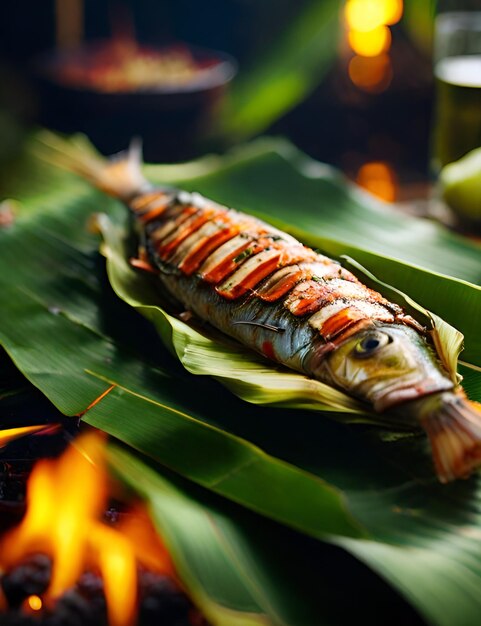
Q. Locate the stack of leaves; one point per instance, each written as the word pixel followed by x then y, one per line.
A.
pixel 274 513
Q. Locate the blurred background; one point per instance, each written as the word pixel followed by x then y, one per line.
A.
pixel 348 82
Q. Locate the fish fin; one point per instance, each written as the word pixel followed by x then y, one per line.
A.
pixel 142 261
pixel 453 426
pixel 119 176
pixel 145 266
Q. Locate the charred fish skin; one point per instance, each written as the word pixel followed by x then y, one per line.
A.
pixel 294 306
pixel 284 300
pixel 267 329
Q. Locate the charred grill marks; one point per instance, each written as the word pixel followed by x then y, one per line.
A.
pixel 242 258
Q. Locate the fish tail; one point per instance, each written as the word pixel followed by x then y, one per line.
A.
pixel 453 425
pixel 119 176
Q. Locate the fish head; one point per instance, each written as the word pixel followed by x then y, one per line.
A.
pixel 387 364
pixel 394 368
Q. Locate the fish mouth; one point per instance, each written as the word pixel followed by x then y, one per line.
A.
pixel 453 425
pixel 394 395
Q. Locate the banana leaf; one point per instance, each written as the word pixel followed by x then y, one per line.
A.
pixel 375 497
pixel 239 568
pixel 243 569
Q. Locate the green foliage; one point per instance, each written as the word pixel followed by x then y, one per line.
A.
pixel 284 73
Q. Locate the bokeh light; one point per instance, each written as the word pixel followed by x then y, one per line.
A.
pixel 366 15
pixel 373 74
pixel 370 43
pixel 378 178
pixel 393 10
pixel 370 38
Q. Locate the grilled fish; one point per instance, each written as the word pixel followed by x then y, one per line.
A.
pixel 291 304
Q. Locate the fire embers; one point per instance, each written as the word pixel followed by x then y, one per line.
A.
pixel 160 601
pixel 64 565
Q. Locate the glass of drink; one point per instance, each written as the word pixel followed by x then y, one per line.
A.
pixel 457 69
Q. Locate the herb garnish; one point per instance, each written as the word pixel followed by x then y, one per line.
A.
pixel 243 255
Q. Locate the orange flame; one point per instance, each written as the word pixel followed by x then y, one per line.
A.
pixel 9 434
pixel 65 499
pixel 115 557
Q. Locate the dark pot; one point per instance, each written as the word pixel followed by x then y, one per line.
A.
pixel 169 120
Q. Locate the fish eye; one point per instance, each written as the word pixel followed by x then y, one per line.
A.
pixel 371 343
